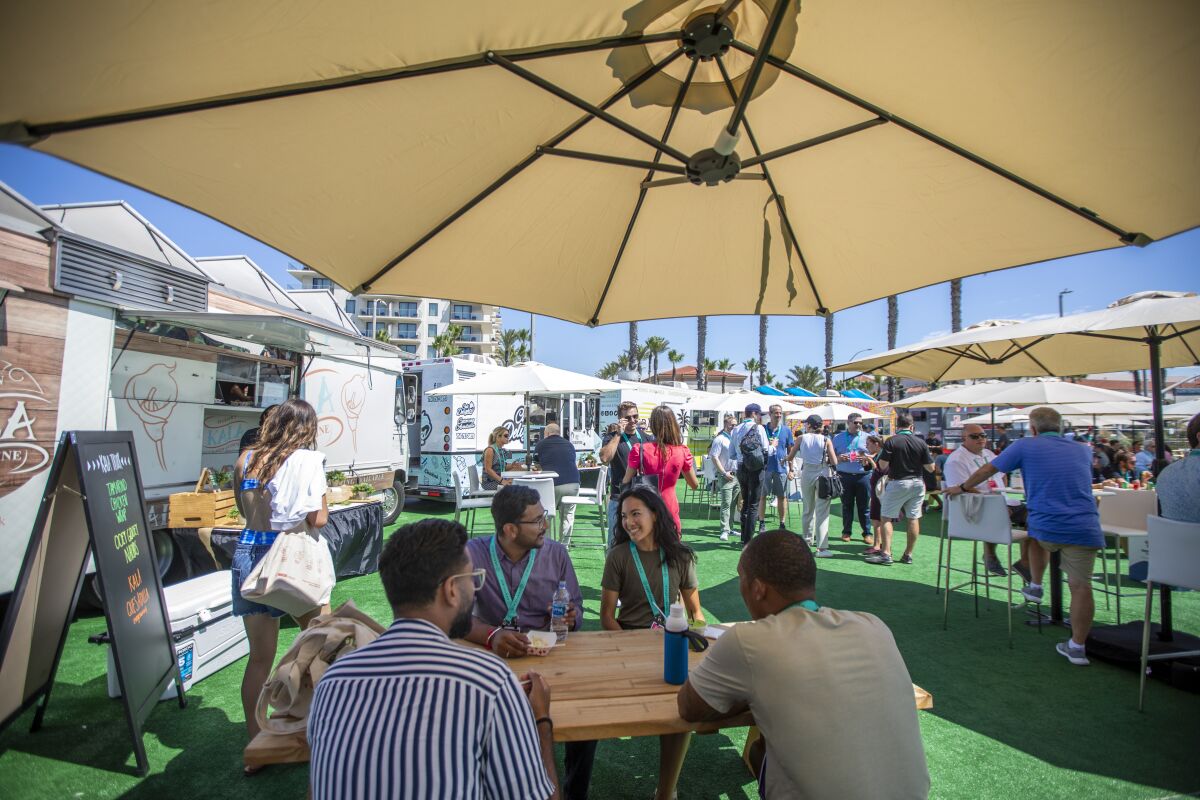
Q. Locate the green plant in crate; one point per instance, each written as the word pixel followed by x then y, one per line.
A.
pixel 362 490
pixel 335 477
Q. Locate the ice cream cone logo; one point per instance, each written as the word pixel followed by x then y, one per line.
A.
pixel 151 394
pixel 354 397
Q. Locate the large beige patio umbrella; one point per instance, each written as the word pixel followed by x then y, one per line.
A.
pixel 624 157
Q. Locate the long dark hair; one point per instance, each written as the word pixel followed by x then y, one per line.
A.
pixel 665 429
pixel 666 532
pixel 291 426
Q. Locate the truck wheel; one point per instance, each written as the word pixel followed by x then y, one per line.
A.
pixel 393 502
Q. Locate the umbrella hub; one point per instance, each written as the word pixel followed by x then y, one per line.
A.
pixel 703 37
pixel 708 167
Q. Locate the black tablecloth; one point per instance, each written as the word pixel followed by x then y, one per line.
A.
pixel 354 534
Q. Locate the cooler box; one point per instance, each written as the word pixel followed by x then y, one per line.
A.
pixel 207 635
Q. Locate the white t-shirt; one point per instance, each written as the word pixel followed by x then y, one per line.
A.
pixel 721 453
pixel 853 687
pixel 962 463
pixel 297 489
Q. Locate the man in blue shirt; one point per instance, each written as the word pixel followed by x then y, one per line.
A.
pixel 1144 459
pixel 1057 474
pixel 850 446
pixel 779 467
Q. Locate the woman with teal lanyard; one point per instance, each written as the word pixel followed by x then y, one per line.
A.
pixel 280 487
pixel 648 569
pixel 495 460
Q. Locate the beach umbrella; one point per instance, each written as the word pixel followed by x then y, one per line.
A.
pixel 530 377
pixel 1182 410
pixel 560 157
pixel 736 402
pixel 834 412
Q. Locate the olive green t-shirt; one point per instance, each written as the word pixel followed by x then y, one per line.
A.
pixel 621 576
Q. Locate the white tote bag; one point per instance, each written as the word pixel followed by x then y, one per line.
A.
pixel 296 575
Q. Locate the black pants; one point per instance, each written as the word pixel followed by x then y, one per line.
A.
pixel 578 758
pixel 855 492
pixel 751 484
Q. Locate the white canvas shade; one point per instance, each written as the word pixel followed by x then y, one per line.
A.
pixel 834 412
pixel 1040 391
pixel 736 402
pixel 531 378
pixel 435 148
pixel 1183 410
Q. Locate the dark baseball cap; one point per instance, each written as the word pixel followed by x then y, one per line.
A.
pixel 753 408
pixel 814 421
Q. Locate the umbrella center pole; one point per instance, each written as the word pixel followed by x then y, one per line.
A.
pixel 705 37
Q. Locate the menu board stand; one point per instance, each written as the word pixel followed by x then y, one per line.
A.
pixel 92 505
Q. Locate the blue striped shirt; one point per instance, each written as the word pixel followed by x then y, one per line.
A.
pixel 413 715
pixel 1058 488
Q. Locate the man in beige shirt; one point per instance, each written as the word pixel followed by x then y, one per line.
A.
pixel 814 678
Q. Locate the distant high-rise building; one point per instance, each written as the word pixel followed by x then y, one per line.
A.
pixel 413 322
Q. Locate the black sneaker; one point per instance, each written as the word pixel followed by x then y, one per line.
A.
pixel 993 567
pixel 905 559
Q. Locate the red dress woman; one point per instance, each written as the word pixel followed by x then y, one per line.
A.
pixel 666 457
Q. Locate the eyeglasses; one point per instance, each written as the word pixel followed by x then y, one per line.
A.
pixel 976 436
pixel 538 522
pixel 477 577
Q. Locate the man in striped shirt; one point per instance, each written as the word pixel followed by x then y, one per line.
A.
pixel 413 715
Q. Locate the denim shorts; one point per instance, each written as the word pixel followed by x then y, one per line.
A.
pixel 244 559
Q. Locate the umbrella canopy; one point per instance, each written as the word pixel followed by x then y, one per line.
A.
pixel 1183 410
pixel 770 391
pixel 736 402
pixel 796 391
pixel 834 412
pixel 528 378
pixel 769 147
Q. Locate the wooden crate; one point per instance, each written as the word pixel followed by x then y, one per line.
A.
pixel 200 509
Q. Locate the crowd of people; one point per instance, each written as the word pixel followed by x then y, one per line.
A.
pixel 449 721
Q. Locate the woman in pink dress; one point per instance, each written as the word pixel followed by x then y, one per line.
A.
pixel 666 457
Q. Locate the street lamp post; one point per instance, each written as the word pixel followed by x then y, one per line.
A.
pixel 1060 297
pixel 856 355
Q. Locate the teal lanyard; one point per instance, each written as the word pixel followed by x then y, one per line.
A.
pixel 809 605
pixel 510 600
pixel 659 616
pixel 636 433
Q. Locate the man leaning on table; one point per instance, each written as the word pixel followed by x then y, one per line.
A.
pixel 806 726
pixel 1057 474
pixel 412 714
pixel 523 571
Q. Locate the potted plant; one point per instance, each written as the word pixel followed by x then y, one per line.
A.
pixel 223 479
pixel 362 491
pixel 335 477
pixel 234 516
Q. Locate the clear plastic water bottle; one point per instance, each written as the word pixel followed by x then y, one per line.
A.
pixel 675 647
pixel 558 612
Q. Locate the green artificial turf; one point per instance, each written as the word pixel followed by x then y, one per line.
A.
pixel 1018 722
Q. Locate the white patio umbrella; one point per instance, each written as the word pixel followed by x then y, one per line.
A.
pixel 530 377
pixel 736 402
pixel 472 147
pixel 834 412
pixel 1183 410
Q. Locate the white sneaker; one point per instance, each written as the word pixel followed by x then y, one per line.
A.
pixel 724 536
pixel 1076 655
pixel 823 554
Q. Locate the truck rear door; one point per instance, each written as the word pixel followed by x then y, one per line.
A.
pixel 411 383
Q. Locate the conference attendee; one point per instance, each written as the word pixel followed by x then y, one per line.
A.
pixel 960 465
pixel 647 570
pixel 1062 515
pixel 523 570
pixel 816 457
pixel 250 437
pixel 749 445
pixel 807 722
pixel 495 460
pixel 850 446
pixel 1125 469
pixel 556 454
pixel 778 473
pixel 615 448
pixel 720 456
pixel 279 486
pixel 666 458
pixel 1178 485
pixel 907 460
pixel 1144 460
pixel 414 715
pixel 1002 439
pixel 876 482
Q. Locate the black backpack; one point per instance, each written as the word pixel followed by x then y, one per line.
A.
pixel 753 454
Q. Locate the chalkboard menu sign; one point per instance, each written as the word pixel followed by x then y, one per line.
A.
pixel 93 502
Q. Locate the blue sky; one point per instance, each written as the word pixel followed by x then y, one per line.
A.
pixel 1095 281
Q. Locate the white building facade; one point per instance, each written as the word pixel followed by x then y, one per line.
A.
pixel 413 322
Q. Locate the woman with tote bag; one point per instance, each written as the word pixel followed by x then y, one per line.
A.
pixel 666 458
pixel 816 454
pixel 279 486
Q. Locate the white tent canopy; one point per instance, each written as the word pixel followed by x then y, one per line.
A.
pixel 1039 391
pixel 736 402
pixel 834 412
pixel 1184 410
pixel 530 377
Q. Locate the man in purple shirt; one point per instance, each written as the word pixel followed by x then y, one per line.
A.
pixel 523 572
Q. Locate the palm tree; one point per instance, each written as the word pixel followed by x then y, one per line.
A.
pixel 762 349
pixel 751 366
pixel 644 354
pixel 524 349
pixel 701 361
pixel 956 305
pixel 634 360
pixel 445 344
pixel 513 346
pixel 656 346
pixel 768 379
pixel 724 365
pixel 674 357
pixel 610 371
pixel 707 366
pixel 893 306
pixel 807 377
pixel 829 351
pixel 382 335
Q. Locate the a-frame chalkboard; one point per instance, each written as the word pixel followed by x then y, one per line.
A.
pixel 92 503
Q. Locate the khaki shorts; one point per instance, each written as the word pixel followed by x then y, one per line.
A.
pixel 1077 561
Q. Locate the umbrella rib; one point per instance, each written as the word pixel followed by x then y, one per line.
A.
pixel 30 133
pixel 1178 334
pixel 949 367
pixel 516 169
pixel 637 208
pixel 584 105
pixel 816 140
pixel 607 159
pixel 756 67
pixel 1126 237
pixel 787 222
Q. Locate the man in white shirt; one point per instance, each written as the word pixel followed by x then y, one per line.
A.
pixel 806 724
pixel 960 465
pixel 749 475
pixel 721 457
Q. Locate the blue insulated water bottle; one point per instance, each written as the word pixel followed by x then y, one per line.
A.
pixel 675 647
